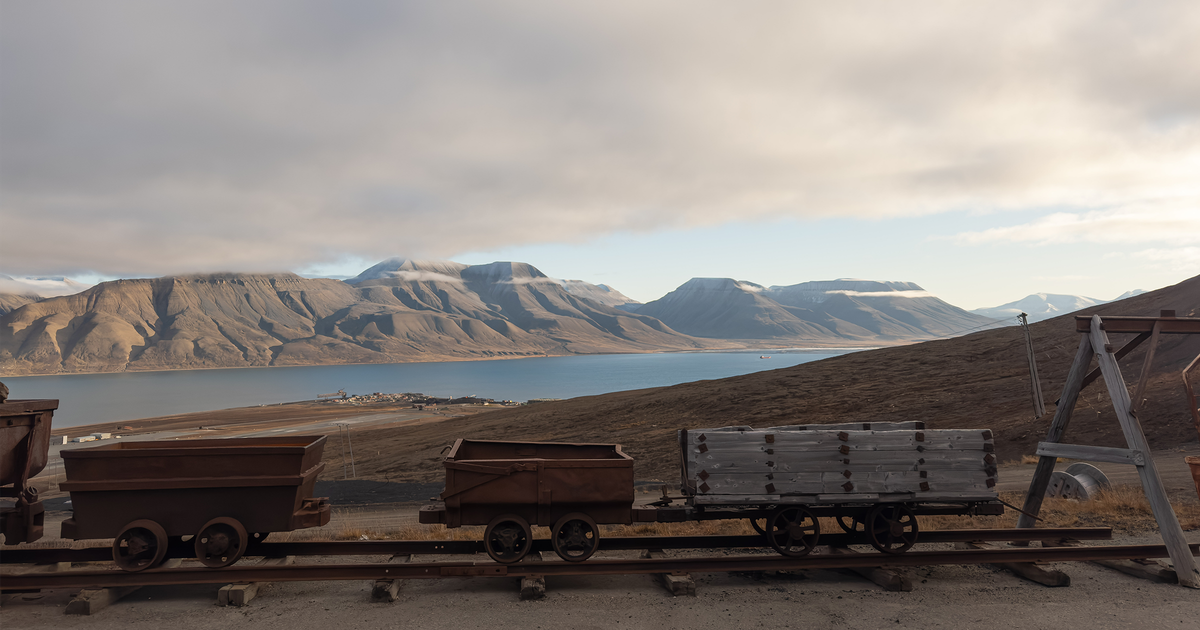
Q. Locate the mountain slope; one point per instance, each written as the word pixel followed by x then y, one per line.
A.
pixel 395 311
pixel 861 310
pixel 979 380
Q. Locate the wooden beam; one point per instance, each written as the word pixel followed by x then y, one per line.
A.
pixel 388 591
pixel 1168 524
pixel 1093 453
pixel 1170 325
pixel 1028 570
pixel 1120 354
pixel 677 583
pixel 1058 426
pixel 888 579
pixel 1138 401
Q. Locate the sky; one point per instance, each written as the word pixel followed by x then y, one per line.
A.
pixel 984 150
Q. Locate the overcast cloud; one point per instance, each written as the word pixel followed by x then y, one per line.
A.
pixel 160 137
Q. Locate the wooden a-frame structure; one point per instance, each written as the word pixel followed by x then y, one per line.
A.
pixel 1094 341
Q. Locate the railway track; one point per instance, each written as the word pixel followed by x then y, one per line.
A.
pixel 180 549
pixel 32 579
pixel 437 570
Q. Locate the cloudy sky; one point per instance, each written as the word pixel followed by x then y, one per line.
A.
pixel 983 150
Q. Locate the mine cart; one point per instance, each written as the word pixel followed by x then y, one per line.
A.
pixel 510 486
pixel 874 478
pixel 226 494
pixel 24 444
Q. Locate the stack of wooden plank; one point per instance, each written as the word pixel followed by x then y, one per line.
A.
pixel 880 461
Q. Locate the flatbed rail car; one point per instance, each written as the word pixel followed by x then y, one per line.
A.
pixel 225 493
pixel 510 486
pixel 873 478
pixel 24 449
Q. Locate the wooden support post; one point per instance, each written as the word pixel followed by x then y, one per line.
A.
pixel 1168 525
pixel 534 586
pixel 1039 405
pixel 886 578
pixel 241 594
pixel 1058 427
pixel 92 601
pixel 1027 570
pixel 389 590
pixel 677 583
pixel 1141 386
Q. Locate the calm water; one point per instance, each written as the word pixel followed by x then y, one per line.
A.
pixel 92 398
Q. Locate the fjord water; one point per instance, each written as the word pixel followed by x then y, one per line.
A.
pixel 94 398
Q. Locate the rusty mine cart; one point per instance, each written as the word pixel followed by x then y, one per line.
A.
pixel 227 494
pixel 509 486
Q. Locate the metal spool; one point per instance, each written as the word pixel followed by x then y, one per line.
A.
pixel 1080 481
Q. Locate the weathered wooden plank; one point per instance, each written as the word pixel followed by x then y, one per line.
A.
pixel 1091 453
pixel 888 579
pixel 852 426
pixel 1168 525
pixel 699 437
pixel 818 499
pixel 676 583
pixel 840 476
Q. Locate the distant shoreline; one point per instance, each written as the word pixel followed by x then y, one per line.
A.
pixel 732 350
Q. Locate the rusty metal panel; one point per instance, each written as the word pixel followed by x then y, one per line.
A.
pixel 538 481
pixel 24 438
pixel 265 483
pixel 24 447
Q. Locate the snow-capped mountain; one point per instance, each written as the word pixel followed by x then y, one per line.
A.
pixel 1040 306
pixel 865 310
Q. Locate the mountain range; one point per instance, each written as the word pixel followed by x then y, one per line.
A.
pixel 396 311
pixel 862 310
pixel 404 310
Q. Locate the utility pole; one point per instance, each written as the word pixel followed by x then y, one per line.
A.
pixel 347 439
pixel 1039 406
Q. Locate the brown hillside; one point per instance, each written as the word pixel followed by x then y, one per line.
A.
pixel 979 380
pixel 245 320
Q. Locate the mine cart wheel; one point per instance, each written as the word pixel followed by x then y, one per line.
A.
pixel 507 538
pixel 892 528
pixel 793 531
pixel 221 542
pixel 575 537
pixel 761 529
pixel 851 524
pixel 141 544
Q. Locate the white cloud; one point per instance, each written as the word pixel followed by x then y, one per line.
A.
pixel 407 275
pixel 201 135
pixel 1175 257
pixel 1142 223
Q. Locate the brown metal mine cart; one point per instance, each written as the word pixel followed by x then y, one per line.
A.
pixel 24 444
pixel 226 493
pixel 510 486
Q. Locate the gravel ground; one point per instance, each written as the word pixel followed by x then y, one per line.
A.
pixel 957 596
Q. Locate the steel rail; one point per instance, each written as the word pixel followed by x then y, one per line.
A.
pixel 463 547
pixel 384 571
